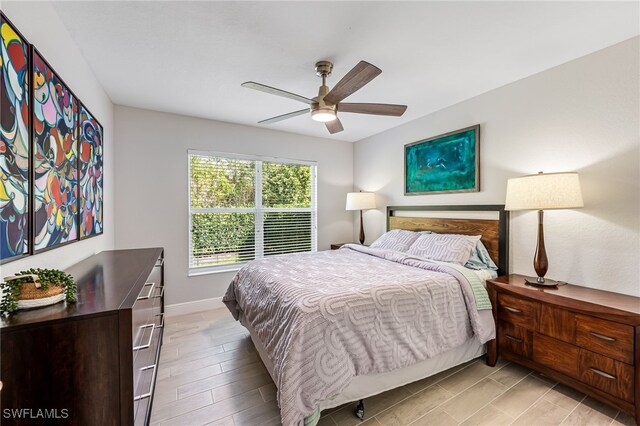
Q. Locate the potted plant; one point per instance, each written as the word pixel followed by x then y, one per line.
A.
pixel 36 287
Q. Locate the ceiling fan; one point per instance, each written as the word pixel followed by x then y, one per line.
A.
pixel 327 104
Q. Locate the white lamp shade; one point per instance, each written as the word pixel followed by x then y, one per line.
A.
pixel 544 191
pixel 361 200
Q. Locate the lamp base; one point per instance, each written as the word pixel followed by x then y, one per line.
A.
pixel 546 282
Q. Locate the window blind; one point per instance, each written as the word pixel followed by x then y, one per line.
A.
pixel 243 208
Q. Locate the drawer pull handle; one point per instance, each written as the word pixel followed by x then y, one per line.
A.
pixel 148 344
pixel 514 310
pixel 602 373
pixel 153 383
pixel 148 294
pixel 162 322
pixel 515 339
pixel 161 292
pixel 603 337
pixel 159 263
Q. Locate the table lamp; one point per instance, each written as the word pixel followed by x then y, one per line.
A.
pixel 543 191
pixel 361 201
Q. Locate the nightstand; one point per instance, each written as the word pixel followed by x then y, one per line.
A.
pixel 585 338
pixel 336 246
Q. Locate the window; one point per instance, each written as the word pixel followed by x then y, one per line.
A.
pixel 243 208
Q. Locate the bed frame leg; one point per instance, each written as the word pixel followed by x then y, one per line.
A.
pixel 360 410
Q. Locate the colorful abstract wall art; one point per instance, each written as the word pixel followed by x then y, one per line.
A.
pixel 444 163
pixel 55 160
pixel 15 128
pixel 90 149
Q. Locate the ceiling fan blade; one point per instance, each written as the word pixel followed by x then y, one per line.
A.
pixel 376 109
pixel 359 75
pixel 277 92
pixel 284 116
pixel 334 126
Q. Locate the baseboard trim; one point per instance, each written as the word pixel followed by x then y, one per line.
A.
pixel 195 306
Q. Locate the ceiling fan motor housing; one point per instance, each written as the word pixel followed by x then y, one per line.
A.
pixel 321 111
pixel 324 68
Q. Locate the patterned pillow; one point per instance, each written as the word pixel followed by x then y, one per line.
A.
pixel 481 259
pixel 396 240
pixel 452 248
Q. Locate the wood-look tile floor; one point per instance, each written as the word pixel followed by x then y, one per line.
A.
pixel 210 373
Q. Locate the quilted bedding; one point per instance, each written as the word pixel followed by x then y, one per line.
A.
pixel 327 317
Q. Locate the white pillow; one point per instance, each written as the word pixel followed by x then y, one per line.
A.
pixel 396 240
pixel 451 248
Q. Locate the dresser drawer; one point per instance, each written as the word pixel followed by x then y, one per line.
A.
pixel 141 412
pixel 144 353
pixel 605 337
pixel 514 339
pixel 158 296
pixel 523 313
pixel 558 323
pixel 557 355
pixel 141 409
pixel 143 326
pixel 144 370
pixel 156 274
pixel 611 376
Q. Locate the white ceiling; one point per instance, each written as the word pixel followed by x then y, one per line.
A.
pixel 191 57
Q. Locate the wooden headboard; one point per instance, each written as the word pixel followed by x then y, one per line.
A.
pixel 494 232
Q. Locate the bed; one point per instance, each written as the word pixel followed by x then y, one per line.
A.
pixel 338 326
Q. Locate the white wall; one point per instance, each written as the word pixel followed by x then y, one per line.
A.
pixel 40 24
pixel 580 116
pixel 152 184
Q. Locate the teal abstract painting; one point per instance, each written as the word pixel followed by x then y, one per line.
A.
pixel 444 163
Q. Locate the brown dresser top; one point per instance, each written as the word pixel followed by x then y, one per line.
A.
pixel 107 281
pixel 574 297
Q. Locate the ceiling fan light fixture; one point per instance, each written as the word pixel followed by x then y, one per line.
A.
pixel 323 115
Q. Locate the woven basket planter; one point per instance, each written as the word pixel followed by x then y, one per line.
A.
pixel 33 295
pixel 36 287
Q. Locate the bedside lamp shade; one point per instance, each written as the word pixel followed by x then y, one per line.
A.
pixel 361 201
pixel 543 192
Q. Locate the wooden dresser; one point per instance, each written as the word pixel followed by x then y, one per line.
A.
pixel 588 339
pixel 92 362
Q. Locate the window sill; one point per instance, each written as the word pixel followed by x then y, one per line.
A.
pixel 213 270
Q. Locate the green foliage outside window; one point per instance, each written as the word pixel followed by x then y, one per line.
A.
pixel 228 183
pixel 286 185
pixel 221 182
pixel 221 237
